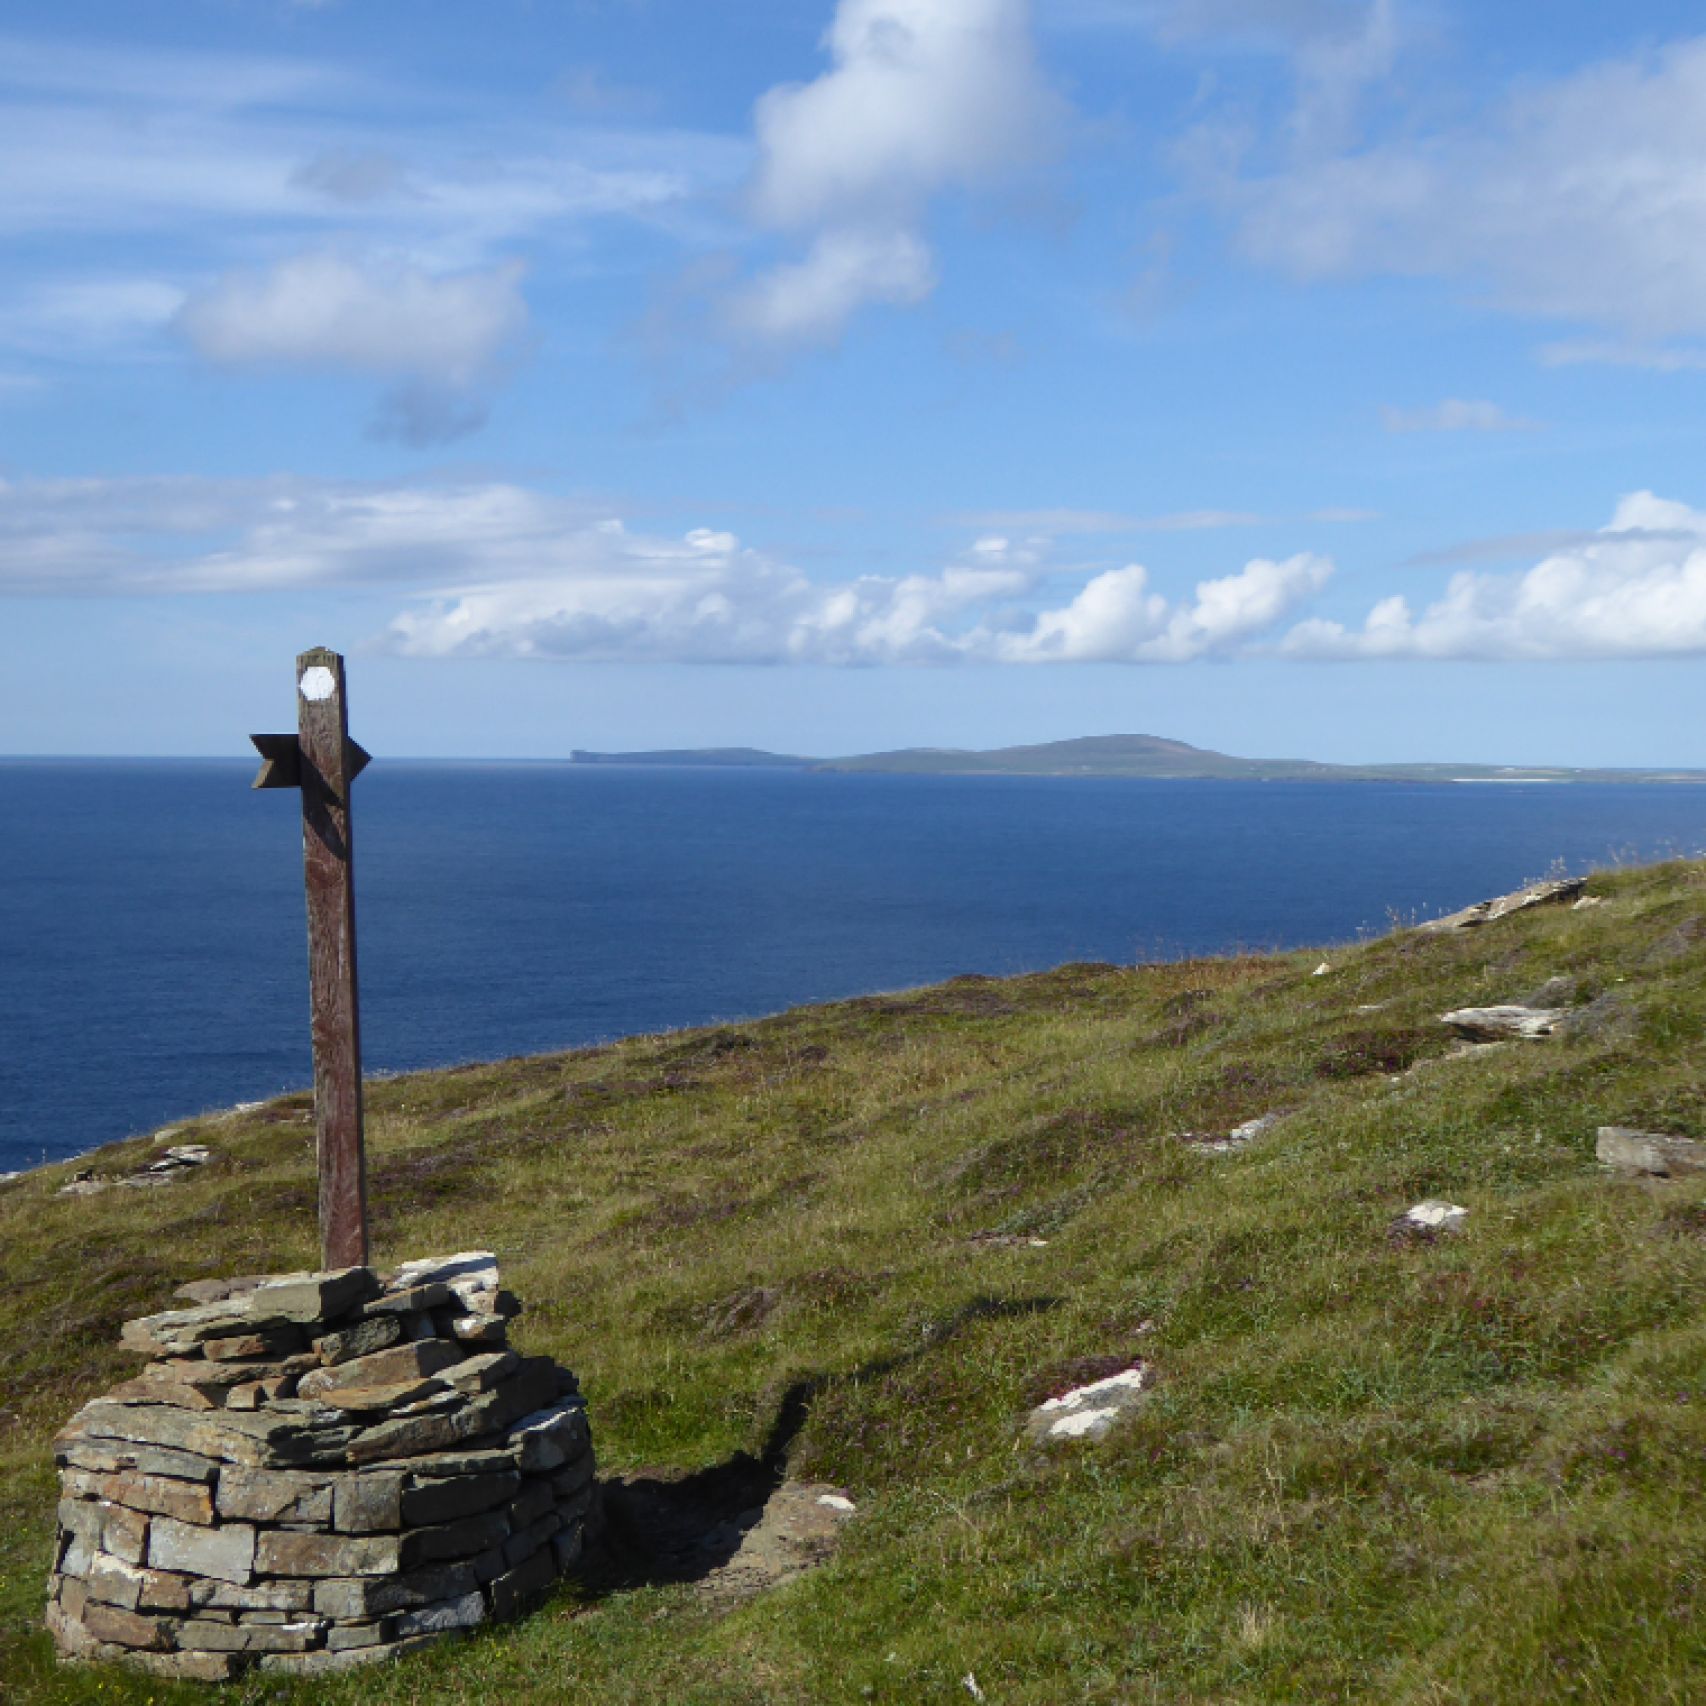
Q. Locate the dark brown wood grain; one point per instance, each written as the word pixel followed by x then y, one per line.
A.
pixel 329 762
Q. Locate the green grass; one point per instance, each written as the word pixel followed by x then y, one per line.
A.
pixel 1466 1471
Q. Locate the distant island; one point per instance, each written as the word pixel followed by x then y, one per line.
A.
pixel 1124 755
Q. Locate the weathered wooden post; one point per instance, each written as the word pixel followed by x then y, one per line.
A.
pixel 322 761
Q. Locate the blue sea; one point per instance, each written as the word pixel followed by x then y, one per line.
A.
pixel 152 940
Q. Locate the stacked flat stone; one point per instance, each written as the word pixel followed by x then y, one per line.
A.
pixel 317 1471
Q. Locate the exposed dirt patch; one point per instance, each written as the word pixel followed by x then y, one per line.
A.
pixel 734 1530
pixel 730 1532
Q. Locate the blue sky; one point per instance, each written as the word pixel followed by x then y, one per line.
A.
pixel 1299 377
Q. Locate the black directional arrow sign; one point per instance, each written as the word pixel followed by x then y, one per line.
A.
pixel 321 761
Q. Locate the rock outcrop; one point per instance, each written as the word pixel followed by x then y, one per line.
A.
pixel 1653 1154
pixel 316 1471
pixel 1502 906
pixel 1497 1024
pixel 1089 1412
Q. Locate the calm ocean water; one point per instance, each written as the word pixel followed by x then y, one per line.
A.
pixel 152 956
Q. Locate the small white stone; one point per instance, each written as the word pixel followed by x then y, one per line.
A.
pixel 1321 970
pixel 1437 1215
pixel 836 1502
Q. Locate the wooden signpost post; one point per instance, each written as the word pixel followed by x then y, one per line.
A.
pixel 322 761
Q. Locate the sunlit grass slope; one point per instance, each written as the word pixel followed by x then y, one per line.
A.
pixel 1471 1470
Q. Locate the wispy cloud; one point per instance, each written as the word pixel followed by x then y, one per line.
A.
pixel 1581 198
pixel 1655 358
pixel 1092 521
pixel 1455 414
pixel 439 339
pixel 1508 547
pixel 1337 50
pixel 277 196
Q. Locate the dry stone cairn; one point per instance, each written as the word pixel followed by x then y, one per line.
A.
pixel 316 1471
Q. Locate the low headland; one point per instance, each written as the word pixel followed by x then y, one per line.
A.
pixel 1139 756
pixel 1400 1388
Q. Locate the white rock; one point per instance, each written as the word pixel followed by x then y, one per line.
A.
pixel 471 1274
pixel 1588 900
pixel 1088 1412
pixel 1502 906
pixel 836 1502
pixel 1127 1380
pixel 1321 970
pixel 1437 1215
pixel 1084 1424
pixel 1658 1154
pixel 1490 1024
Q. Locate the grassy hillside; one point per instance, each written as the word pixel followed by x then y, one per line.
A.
pixel 1465 1471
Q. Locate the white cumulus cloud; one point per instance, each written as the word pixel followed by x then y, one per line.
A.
pixel 438 337
pixel 707 599
pixel 500 570
pixel 1117 618
pixel 922 96
pixel 1637 589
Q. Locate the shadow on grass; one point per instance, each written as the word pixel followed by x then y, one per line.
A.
pixel 658 1529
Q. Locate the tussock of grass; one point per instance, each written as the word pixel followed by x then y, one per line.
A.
pixel 1466 1470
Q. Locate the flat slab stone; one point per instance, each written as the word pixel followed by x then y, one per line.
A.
pixel 1503 906
pixel 1428 1220
pixel 134 1588
pixel 280 1553
pixel 369 1502
pixel 1493 1024
pixel 393 1365
pixel 275 1495
pixel 1089 1413
pixel 188 1501
pixel 264 1438
pixel 548 1438
pixel 310 1298
pixel 105 1456
pixel 1654 1154
pixel 361 1598
pixel 227 1552
pixel 362 1338
pixel 217 1290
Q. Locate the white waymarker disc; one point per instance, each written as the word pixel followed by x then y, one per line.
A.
pixel 318 683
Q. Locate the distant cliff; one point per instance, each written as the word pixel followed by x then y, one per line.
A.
pixel 1130 756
